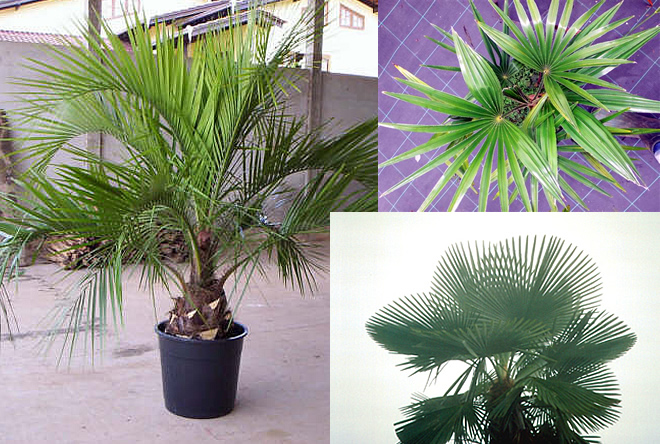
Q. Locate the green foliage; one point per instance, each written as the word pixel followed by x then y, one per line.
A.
pixel 523 102
pixel 209 146
pixel 522 316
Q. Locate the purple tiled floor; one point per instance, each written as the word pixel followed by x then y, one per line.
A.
pixel 401 41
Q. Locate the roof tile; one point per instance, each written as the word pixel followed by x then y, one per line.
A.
pixel 37 37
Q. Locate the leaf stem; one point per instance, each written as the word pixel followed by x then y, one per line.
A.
pixel 538 91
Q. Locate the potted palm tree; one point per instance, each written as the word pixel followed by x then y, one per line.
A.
pixel 208 149
pixel 531 107
pixel 522 317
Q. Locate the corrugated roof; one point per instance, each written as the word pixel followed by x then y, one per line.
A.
pixel 214 11
pixel 221 24
pixel 206 13
pixel 4 4
pixel 203 13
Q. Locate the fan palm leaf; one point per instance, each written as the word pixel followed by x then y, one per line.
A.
pixel 522 316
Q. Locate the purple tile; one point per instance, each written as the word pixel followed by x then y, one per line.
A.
pixel 389 142
pixel 405 200
pixel 599 202
pixel 401 41
pixel 387 46
pixel 441 203
pixel 649 200
pixel 468 30
pixel 402 19
pixel 629 75
pixel 648 167
pixel 446 14
pixel 423 6
pixel 402 112
pixel 648 83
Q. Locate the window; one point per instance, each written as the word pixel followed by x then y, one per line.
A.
pixel 350 19
pixel 113 8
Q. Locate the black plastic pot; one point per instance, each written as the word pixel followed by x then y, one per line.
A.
pixel 200 378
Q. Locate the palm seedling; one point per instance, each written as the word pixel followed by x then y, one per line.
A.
pixel 207 145
pixel 528 110
pixel 522 318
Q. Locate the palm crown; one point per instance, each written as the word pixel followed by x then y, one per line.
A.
pixel 522 316
pixel 531 97
pixel 207 143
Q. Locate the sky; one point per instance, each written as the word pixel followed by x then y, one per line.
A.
pixel 377 258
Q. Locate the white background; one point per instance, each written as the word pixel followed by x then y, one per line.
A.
pixel 379 257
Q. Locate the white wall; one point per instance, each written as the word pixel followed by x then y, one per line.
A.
pixel 377 258
pixel 61 16
pixel 54 16
pixel 350 51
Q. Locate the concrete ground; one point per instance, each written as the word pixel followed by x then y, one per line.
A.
pixel 284 385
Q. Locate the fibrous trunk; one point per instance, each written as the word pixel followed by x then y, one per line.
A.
pixel 203 314
pixel 511 427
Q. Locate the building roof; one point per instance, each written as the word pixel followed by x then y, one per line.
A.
pixel 6 4
pixel 193 33
pixel 212 15
pixel 208 14
pixel 44 38
pixel 373 4
pixel 213 11
pixel 204 13
pixel 37 37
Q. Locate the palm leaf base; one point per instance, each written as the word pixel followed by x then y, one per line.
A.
pixel 71 253
pixel 203 314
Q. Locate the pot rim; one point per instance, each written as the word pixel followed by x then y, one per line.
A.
pixel 168 336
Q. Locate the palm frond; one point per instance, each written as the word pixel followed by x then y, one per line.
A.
pixel 206 143
pixel 521 315
pixel 533 83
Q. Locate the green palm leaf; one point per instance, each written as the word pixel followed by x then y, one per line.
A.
pixel 521 316
pixel 619 100
pixel 479 77
pixel 529 154
pixel 207 144
pixel 438 419
pixel 598 142
pixel 558 98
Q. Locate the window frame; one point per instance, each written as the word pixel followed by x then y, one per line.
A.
pixel 353 16
pixel 116 5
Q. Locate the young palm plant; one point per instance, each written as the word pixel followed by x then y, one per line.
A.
pixel 208 144
pixel 522 316
pixel 523 102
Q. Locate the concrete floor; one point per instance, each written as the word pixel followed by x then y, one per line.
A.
pixel 284 385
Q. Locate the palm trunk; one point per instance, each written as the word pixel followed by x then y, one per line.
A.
pixel 203 312
pixel 513 427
